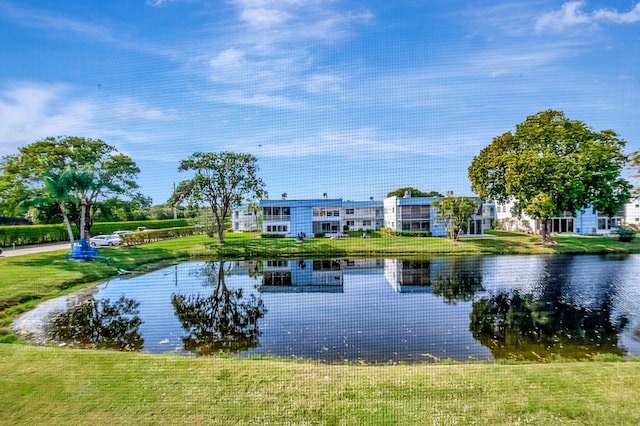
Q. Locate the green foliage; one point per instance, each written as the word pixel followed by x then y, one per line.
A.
pixel 400 192
pixel 625 233
pixel 272 235
pixel 99 172
pixel 455 213
pixel 320 234
pixel 222 181
pixel 551 165
pixel 32 234
pixel 420 234
pixel 153 235
pixel 37 234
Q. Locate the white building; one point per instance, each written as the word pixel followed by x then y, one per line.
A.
pixel 244 218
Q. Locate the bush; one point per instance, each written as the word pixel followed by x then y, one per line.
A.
pixel 625 233
pixel 420 234
pixel 38 234
pixel 319 234
pixel 160 234
pixel 272 235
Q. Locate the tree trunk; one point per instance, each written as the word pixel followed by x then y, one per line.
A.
pixel 67 224
pixel 83 215
pixel 546 233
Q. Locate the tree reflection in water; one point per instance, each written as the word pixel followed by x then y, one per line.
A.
pixel 523 326
pixel 459 281
pixel 99 324
pixel 225 321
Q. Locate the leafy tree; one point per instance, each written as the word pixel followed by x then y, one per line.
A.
pixel 455 213
pixel 414 193
pixel 222 181
pixel 101 172
pixel 551 165
pixel 57 187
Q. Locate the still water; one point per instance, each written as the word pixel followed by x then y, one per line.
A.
pixel 362 310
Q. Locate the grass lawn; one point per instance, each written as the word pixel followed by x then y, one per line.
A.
pixel 63 386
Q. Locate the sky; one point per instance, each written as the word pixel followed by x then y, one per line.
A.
pixel 349 98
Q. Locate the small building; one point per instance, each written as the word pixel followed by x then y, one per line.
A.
pixel 583 222
pixel 244 218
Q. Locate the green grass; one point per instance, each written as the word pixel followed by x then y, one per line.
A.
pixel 64 386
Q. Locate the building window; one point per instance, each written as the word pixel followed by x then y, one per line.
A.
pixel 366 223
pixel 349 211
pixel 351 223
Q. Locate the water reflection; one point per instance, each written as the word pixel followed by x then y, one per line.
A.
pixel 379 310
pixel 298 276
pixel 553 318
pixel 224 321
pixel 98 324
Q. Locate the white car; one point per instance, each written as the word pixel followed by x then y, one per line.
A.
pixel 105 240
pixel 122 232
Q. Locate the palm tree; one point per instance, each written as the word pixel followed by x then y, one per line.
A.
pixel 58 188
pixel 82 183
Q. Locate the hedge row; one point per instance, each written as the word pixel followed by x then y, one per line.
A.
pixel 407 233
pixel 38 234
pixel 160 234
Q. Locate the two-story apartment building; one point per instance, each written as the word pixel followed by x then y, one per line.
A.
pixel 419 214
pixel 332 216
pixel 363 215
pixel 295 217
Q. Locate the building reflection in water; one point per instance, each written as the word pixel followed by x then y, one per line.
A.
pixel 302 276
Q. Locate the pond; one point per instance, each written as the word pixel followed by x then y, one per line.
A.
pixel 361 310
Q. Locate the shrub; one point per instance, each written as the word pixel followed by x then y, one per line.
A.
pixel 272 235
pixel 319 234
pixel 625 233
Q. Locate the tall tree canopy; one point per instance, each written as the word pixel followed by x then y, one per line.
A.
pixel 550 165
pixel 400 192
pixel 222 180
pixel 99 170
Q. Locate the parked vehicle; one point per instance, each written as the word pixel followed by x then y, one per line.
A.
pixel 122 232
pixel 105 240
pixel 141 229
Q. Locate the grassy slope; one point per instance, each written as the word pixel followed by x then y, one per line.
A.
pixel 52 385
pixel 63 386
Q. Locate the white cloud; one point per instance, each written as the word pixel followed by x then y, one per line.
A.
pixel 236 97
pixel 630 17
pixel 34 18
pixel 264 18
pixel 31 112
pixel 367 143
pixel 571 14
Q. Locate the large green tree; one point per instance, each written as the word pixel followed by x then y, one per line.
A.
pixel 222 180
pixel 100 172
pixel 455 213
pixel 550 165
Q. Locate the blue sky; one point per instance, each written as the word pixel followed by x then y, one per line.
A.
pixel 350 98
